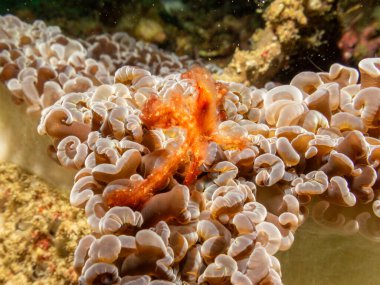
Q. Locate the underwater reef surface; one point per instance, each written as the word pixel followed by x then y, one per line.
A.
pixel 245 166
pixel 39 230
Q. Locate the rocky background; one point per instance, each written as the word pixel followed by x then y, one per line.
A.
pixel 253 40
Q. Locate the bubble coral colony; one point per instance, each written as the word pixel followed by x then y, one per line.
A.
pixel 188 180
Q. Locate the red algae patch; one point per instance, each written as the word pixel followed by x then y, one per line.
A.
pixel 39 230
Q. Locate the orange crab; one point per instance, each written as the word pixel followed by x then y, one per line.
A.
pixel 199 116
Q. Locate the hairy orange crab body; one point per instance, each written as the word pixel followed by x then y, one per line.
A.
pixel 199 116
